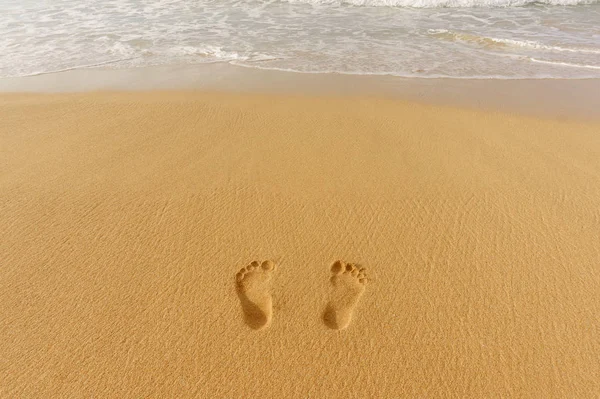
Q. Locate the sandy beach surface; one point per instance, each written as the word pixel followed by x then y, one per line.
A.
pixel 220 245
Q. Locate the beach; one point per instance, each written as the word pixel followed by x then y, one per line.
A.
pixel 131 220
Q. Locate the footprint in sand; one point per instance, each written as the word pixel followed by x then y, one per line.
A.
pixel 347 286
pixel 254 290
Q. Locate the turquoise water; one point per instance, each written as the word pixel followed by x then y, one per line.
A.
pixel 424 38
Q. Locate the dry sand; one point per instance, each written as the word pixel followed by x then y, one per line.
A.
pixel 174 245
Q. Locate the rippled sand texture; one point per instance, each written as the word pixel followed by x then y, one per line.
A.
pixel 125 218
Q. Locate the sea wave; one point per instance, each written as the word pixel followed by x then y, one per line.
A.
pixel 500 43
pixel 446 3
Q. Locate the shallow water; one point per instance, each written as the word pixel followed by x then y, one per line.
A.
pixel 424 38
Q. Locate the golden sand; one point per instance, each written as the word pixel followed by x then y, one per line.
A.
pixel 175 245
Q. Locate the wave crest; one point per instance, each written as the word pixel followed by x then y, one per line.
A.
pixel 499 42
pixel 445 3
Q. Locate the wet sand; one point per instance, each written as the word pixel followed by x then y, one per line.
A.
pixel 222 245
pixel 548 98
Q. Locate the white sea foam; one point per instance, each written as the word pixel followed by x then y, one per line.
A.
pixel 567 64
pixel 206 51
pixel 539 46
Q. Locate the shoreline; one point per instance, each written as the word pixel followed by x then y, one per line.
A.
pixel 548 98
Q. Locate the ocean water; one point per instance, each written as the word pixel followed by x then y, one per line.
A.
pixel 413 38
